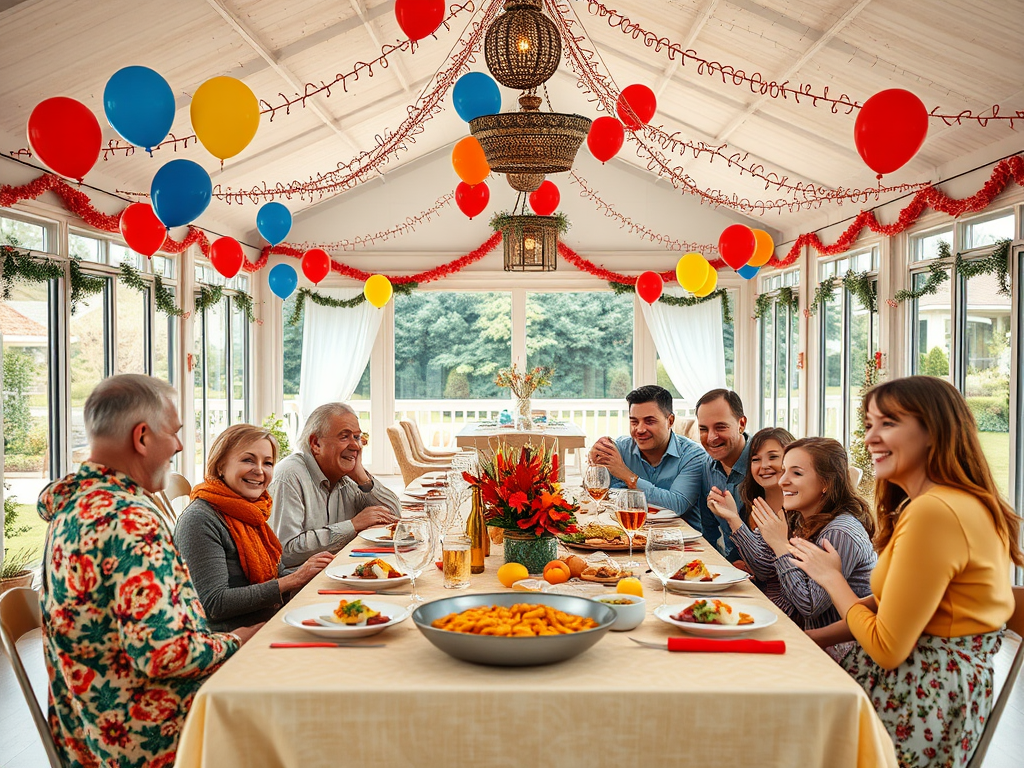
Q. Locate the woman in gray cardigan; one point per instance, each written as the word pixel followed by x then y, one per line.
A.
pixel 233 555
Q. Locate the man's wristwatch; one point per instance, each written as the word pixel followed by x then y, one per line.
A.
pixel 631 483
pixel 369 486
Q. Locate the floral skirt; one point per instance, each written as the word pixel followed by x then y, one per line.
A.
pixel 935 703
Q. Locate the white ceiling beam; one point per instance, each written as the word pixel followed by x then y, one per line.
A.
pixel 691 37
pixel 253 41
pixel 373 30
pixel 809 54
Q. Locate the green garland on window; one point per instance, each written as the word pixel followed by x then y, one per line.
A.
pixel 82 285
pixel 762 304
pixel 996 263
pixel 859 284
pixel 22 266
pixel 243 303
pixel 207 298
pixel 164 297
pixel 786 296
pixel 326 301
pixel 937 275
pixel 685 301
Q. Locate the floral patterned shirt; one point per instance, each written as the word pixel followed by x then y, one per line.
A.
pixel 124 635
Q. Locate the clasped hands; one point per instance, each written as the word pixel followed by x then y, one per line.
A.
pixel 606 454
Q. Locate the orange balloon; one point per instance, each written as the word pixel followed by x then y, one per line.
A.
pixel 763 250
pixel 469 161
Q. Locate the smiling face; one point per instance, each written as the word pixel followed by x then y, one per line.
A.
pixel 898 444
pixel 337 451
pixel 650 427
pixel 802 488
pixel 766 464
pixel 721 433
pixel 249 469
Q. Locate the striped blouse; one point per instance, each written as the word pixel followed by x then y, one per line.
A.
pixel 792 590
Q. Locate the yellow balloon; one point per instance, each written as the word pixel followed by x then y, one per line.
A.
pixel 377 290
pixel 225 116
pixel 763 249
pixel 692 271
pixel 709 285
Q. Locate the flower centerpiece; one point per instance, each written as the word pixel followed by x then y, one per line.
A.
pixel 521 494
pixel 523 385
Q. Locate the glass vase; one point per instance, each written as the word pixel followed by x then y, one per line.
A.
pixel 524 414
pixel 529 550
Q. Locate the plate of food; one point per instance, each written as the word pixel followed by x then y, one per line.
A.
pixel 383 535
pixel 347 619
pixel 425 495
pixel 716 618
pixel 696 576
pixel 597 536
pixel 379 573
pixel 605 573
pixel 660 515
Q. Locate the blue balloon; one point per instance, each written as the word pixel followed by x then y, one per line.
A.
pixel 274 222
pixel 181 191
pixel 747 271
pixel 139 104
pixel 282 280
pixel 476 94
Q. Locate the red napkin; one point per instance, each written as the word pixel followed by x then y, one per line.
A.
pixel 703 645
pixel 374 551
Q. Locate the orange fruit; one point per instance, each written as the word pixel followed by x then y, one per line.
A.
pixel 576 565
pixel 556 572
pixel 510 573
pixel 630 586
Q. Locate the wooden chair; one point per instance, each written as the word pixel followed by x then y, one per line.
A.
pixel 420 451
pixel 1015 624
pixel 19 615
pixel 407 463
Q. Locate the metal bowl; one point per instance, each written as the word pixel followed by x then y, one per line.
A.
pixel 513 651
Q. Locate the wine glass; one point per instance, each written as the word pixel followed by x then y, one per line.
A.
pixel 437 512
pixel 414 549
pixel 631 511
pixel 596 480
pixel 666 554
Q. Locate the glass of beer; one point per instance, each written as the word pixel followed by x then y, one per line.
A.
pixel 455 560
pixel 631 511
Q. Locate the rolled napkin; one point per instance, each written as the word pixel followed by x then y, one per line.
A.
pixel 739 645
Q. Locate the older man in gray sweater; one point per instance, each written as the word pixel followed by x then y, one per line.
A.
pixel 322 495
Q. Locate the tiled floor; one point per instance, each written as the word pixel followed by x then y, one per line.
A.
pixel 20 746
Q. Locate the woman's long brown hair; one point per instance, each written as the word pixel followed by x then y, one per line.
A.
pixel 833 469
pixel 750 489
pixel 955 458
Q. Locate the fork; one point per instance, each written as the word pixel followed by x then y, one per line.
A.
pixel 325 644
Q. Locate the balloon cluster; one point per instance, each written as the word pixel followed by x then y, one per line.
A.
pixel 744 249
pixel 475 94
pixel 635 107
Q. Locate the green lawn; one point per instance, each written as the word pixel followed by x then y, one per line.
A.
pixel 996 446
pixel 33 537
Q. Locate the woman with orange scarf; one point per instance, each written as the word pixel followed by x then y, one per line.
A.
pixel 233 556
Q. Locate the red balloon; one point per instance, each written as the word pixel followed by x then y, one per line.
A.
pixel 890 129
pixel 636 106
pixel 226 256
pixel 544 200
pixel 649 286
pixel 141 229
pixel 472 199
pixel 316 265
pixel 65 135
pixel 419 18
pixel 736 245
pixel 605 138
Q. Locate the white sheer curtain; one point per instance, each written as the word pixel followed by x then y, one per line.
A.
pixel 336 346
pixel 689 342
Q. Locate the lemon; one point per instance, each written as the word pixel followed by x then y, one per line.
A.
pixel 630 586
pixel 510 573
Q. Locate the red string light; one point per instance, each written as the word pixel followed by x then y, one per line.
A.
pixel 759 85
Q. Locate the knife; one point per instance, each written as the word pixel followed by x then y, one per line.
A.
pixel 326 645
pixel 358 592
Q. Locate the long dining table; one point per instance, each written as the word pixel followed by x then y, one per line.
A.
pixel 616 704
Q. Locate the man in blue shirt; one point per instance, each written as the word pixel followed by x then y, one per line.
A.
pixel 721 421
pixel 667 467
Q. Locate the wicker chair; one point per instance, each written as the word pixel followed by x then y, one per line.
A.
pixel 407 463
pixel 420 451
pixel 687 427
pixel 19 615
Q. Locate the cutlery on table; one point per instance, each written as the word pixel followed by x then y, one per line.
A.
pixel 358 592
pixel 326 645
pixel 705 645
pixel 713 596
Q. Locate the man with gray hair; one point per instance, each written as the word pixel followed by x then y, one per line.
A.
pixel 125 639
pixel 322 495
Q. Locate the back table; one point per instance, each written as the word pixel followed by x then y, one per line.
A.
pixel 617 704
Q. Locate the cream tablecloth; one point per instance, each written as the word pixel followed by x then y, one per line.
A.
pixel 617 704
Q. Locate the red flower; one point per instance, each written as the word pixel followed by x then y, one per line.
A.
pixel 113 730
pixel 154 706
pixel 138 595
pixel 169 658
pixel 518 501
pixel 81 575
pixel 77 676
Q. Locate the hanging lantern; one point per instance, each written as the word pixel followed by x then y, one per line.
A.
pixel 522 47
pixel 531 243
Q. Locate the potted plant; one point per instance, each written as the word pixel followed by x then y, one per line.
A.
pixel 520 492
pixel 523 385
pixel 15 572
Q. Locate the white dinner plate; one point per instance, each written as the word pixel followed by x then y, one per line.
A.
pixel 380 536
pixel 397 613
pixel 726 577
pixel 343 573
pixel 659 515
pixel 763 617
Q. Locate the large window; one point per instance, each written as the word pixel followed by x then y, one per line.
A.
pixel 91 359
pixel 780 342
pixel 587 338
pixel 448 345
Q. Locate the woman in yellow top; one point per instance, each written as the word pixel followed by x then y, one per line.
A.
pixel 941 589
